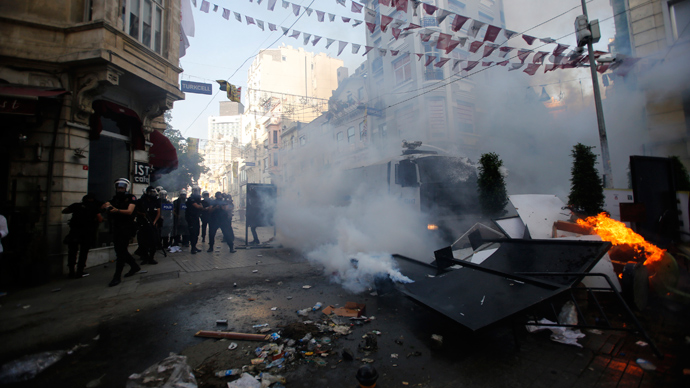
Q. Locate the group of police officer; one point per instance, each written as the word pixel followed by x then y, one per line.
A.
pixel 157 223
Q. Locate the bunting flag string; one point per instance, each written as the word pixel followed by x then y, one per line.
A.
pixel 442 41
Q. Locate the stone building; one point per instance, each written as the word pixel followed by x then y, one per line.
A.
pixel 83 87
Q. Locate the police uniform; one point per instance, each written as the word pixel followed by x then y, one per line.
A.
pixel 124 229
pixel 205 202
pixel 220 218
pixel 147 236
pixel 192 214
pixel 82 232
pixel 180 226
pixel 166 228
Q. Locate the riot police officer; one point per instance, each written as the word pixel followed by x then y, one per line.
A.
pixel 166 221
pixel 205 202
pixel 194 210
pixel 121 211
pixel 220 217
pixel 148 212
pixel 82 232
pixel 180 227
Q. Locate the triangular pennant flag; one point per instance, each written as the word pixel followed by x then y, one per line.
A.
pixel 475 46
pixel 315 40
pixel 295 9
pixel 356 8
pixel 491 33
pixel 539 57
pixel 602 68
pixel 285 30
pixel 271 4
pixel 396 33
pixel 331 17
pixel 394 52
pixel 271 27
pixel 425 36
pixel 441 62
pixel 412 26
pixel 474 28
pixel 329 42
pixel 456 62
pixel 401 5
pixel 548 40
pixel 226 14
pixel 249 19
pixel 260 24
pixel 452 45
pixel 341 46
pixel 509 34
pixel 238 17
pixel 205 6
pixel 486 63
pixel 443 41
pixel 544 96
pixel 415 5
pixel 471 65
pixel 441 15
pixel 458 22
pixel 556 59
pixel 355 48
pixel 306 38
pixel 259 1
pixel 371 27
pixel 308 11
pixel 419 56
pixel 295 34
pixel 528 39
pixel 285 4
pixel 320 15
pixel 502 63
pixel 382 52
pixel 345 19
pixel 462 41
pixel 367 49
pixel 560 48
pixel 430 9
pixel 531 68
pixel 341 2
pixel 488 49
pixel 429 59
pixel 515 66
pixel 549 67
pixel 504 50
pixel 215 8
pixel 385 21
pixel 385 2
pixel 356 22
pixel 523 54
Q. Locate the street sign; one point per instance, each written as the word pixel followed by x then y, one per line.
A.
pixel 196 87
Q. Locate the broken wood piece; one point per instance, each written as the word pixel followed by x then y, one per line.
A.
pixel 232 335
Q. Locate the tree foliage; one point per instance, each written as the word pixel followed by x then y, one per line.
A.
pixel 493 196
pixel 680 174
pixel 189 165
pixel 587 188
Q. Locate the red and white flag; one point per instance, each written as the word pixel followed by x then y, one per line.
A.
pixel 320 15
pixel 271 4
pixel 315 40
pixel 488 49
pixel 295 9
pixel 341 46
pixel 356 8
pixel 491 33
pixel 429 59
pixel 430 9
pixel 441 62
pixel 458 22
pixel 249 19
pixel 441 15
pixel 560 48
pixel 504 50
pixel 471 65
pixel 395 32
pixel 528 39
pixel 539 57
pixel 443 41
pixel 385 21
pixel 367 49
pixel 474 46
pixel 531 68
pixel 523 54
pixel 474 28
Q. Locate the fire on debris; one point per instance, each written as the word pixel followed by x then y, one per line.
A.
pixel 618 234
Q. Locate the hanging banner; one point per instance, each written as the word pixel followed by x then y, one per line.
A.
pixel 196 87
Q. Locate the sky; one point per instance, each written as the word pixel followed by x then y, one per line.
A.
pixel 224 49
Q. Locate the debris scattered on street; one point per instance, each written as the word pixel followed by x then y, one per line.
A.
pixel 232 346
pixel 641 343
pixel 438 339
pixel 347 355
pixel 368 360
pixel 394 355
pixel 255 271
pixel 171 372
pixel 261 325
pixel 306 287
pixel 274 308
pixel 245 381
pixel 414 354
pixel 221 322
pixel 27 367
pixel 232 335
pixel 646 365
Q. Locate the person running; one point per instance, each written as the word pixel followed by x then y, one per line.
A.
pixel 121 211
pixel 220 217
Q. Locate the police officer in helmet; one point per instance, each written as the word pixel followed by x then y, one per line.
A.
pixel 121 211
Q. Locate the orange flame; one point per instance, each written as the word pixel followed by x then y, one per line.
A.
pixel 617 233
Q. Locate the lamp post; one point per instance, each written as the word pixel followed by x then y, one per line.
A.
pixel 587 37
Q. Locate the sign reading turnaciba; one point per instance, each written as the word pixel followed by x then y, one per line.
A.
pixel 196 87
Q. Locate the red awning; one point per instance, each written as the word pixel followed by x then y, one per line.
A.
pixel 124 117
pixel 162 154
pixel 22 91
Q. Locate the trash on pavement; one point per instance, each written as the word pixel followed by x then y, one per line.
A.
pixel 438 339
pixel 95 382
pixel 56 290
pixel 221 322
pixel 414 354
pixel 171 372
pixel 274 308
pixel 306 287
pixel 255 271
pixel 394 355
pixel 233 346
pixel 641 343
pixel 564 335
pixel 646 365
pixel 228 372
pixel 261 325
pixel 267 379
pixel 246 381
pixel 304 312
pixel 232 335
pixel 317 306
pixel 351 309
pixel 27 367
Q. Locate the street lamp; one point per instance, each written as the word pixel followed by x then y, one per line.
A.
pixel 588 33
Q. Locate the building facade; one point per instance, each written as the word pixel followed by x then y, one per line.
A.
pixel 84 85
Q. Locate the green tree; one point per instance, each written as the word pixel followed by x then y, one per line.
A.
pixel 586 189
pixel 680 174
pixel 189 165
pixel 493 196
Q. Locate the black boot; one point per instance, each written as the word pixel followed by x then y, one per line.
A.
pixel 133 270
pixel 118 273
pixel 232 248
pixel 210 248
pixel 81 273
pixel 195 250
pixel 71 273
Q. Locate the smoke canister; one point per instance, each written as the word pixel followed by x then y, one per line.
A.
pixel 367 376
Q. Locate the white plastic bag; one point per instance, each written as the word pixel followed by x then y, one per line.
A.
pixel 246 381
pixel 172 372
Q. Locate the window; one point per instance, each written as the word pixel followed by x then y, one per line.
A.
pixel 485 16
pixel 265 163
pixel 143 21
pixel 679 15
pixel 340 137
pixel 362 130
pixel 275 160
pixel 284 58
pixel 402 69
pixel 303 140
pixel 275 137
pixel 351 134
pixel 360 94
pixel 432 72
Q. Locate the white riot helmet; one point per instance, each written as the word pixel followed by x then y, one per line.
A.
pixel 122 182
pixel 159 189
pixel 163 194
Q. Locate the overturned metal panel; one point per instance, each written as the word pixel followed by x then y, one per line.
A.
pixel 481 295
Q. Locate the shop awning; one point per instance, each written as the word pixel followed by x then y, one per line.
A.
pixel 23 100
pixel 162 154
pixel 28 92
pixel 124 117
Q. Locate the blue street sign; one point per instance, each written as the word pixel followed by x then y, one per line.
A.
pixel 196 87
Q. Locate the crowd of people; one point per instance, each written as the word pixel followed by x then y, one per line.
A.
pixel 158 224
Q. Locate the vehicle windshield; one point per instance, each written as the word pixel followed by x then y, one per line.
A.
pixel 449 185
